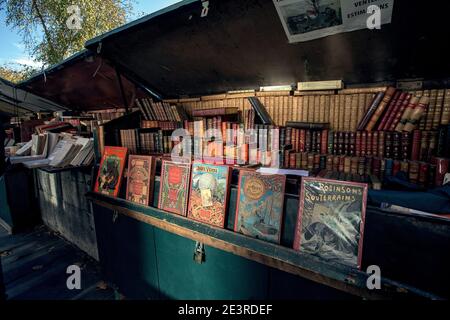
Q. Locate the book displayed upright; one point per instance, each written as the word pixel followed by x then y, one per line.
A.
pixel 208 196
pixel 110 173
pixel 331 219
pixel 141 173
pixel 260 201
pixel 174 187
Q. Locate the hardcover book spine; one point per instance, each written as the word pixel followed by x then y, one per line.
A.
pixel 381 143
pixel 373 106
pixel 381 108
pixel 354 113
pixel 342 114
pixel 445 118
pixel 439 109
pixel 391 109
pixel 416 140
pixel 431 110
pixel 406 114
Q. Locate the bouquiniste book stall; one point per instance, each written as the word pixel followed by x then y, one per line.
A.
pixel 197 228
pixel 240 232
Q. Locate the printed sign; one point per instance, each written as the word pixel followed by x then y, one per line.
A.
pixel 305 20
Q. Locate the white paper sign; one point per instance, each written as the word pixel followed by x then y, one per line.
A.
pixel 305 20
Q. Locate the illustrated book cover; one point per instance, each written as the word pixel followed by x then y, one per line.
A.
pixel 259 211
pixel 208 197
pixel 110 173
pixel 331 219
pixel 174 187
pixel 141 173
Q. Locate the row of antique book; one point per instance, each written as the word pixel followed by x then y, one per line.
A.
pixel 331 213
pixel 372 170
pixel 379 108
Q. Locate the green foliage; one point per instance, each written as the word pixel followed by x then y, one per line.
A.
pixel 44 30
pixel 16 75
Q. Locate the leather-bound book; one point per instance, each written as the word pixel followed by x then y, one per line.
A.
pixel 445 118
pixel 358 144
pixel 403 119
pixel 346 143
pixel 381 142
pixel 424 145
pixel 375 136
pixel 342 113
pixel 388 145
pixel 340 145
pixel 439 109
pixel 415 148
pixel 396 144
pixel 324 142
pixel 405 150
pixel 369 143
pixel 398 112
pixel 363 144
pixel 308 125
pixel 393 107
pixel 354 113
pixel 308 140
pixel 390 92
pixel 302 140
pixel 431 109
pixel 373 106
pixel 330 149
pixel 432 176
pixel 390 109
pixel 335 142
pixel 314 141
pixel 352 144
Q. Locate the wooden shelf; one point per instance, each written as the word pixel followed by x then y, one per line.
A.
pixel 285 259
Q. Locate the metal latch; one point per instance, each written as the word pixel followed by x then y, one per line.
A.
pixel 199 253
pixel 205 8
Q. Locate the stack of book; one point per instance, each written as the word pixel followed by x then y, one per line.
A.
pixel 55 150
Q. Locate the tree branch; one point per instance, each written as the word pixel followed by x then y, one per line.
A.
pixel 46 32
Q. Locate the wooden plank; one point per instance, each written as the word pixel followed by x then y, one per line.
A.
pixel 285 259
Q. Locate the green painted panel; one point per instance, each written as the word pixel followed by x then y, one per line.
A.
pixel 221 276
pixel 287 286
pixel 133 258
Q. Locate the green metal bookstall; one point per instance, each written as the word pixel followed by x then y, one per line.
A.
pixel 241 44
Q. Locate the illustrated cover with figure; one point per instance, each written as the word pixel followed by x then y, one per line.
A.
pixel 141 173
pixel 110 172
pixel 331 220
pixel 174 187
pixel 208 194
pixel 259 210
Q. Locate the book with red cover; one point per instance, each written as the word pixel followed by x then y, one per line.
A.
pixel 208 196
pixel 390 92
pixel 395 102
pixel 393 122
pixel 331 219
pixel 140 179
pixel 174 187
pixel 395 110
pixel 416 141
pixel 110 173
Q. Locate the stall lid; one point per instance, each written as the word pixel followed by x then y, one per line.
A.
pixel 16 101
pixel 241 44
pixel 84 81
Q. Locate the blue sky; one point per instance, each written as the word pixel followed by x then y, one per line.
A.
pixel 13 51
